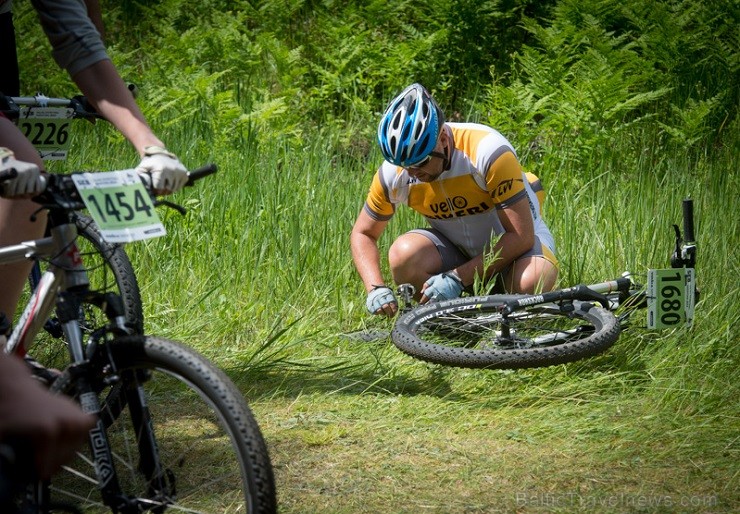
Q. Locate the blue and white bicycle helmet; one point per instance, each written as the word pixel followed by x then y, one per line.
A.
pixel 410 127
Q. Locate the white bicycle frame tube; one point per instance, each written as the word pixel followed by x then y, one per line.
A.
pixel 41 303
pixel 65 270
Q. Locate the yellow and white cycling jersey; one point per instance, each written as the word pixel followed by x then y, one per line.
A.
pixel 462 203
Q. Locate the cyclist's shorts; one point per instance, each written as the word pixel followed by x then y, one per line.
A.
pixel 452 256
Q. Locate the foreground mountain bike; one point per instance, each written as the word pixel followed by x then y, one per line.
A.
pixel 526 331
pixel 173 432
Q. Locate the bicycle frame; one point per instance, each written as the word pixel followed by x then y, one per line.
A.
pixel 65 271
pixel 64 286
pixel 684 255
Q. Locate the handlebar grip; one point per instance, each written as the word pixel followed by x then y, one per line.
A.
pixel 197 174
pixel 688 220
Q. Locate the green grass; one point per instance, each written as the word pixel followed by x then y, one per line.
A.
pixel 258 274
pixel 258 277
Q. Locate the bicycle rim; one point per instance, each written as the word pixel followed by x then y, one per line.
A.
pixel 211 452
pixel 471 332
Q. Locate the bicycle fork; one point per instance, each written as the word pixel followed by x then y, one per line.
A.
pixel 160 486
pixel 68 309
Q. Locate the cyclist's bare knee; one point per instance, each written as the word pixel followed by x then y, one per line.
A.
pixel 531 275
pixel 413 258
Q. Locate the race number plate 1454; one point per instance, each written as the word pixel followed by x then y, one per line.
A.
pixel 670 294
pixel 119 204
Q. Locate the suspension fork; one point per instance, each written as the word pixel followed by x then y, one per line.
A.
pixel 68 308
pixel 160 484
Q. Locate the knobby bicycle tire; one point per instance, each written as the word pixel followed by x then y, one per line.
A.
pixel 470 332
pixel 110 269
pixel 209 444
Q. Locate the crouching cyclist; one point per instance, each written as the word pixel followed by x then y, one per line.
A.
pixel 483 213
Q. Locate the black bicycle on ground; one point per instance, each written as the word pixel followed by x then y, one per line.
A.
pixel 527 331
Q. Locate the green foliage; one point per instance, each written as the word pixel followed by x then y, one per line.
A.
pixel 603 69
pixel 623 108
pixel 560 78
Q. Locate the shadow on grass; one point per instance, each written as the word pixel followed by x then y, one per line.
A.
pixel 288 365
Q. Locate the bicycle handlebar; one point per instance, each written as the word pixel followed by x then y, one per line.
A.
pixel 199 173
pixel 60 190
pixel 10 105
pixel 688 220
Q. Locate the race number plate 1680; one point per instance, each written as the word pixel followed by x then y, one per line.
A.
pixel 119 204
pixel 670 297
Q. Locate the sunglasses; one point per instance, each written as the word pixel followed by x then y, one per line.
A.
pixel 426 160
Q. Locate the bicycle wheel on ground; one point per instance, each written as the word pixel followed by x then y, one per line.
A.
pixel 210 454
pixel 471 332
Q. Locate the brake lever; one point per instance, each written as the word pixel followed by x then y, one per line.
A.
pixel 166 203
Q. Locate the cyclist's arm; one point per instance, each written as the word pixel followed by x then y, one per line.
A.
pixel 96 15
pixel 518 237
pixel 106 91
pixel 78 48
pixel 364 244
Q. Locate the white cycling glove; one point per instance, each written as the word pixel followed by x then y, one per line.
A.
pixel 379 296
pixel 166 171
pixel 444 286
pixel 28 181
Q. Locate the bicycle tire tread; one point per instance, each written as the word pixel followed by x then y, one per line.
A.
pixel 405 336
pixel 155 352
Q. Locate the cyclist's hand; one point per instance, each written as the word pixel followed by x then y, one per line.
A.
pixel 166 172
pixel 444 286
pixel 28 181
pixel 381 300
pixel 54 425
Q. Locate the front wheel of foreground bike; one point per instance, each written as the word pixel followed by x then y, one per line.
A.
pixel 109 269
pixel 211 456
pixel 471 332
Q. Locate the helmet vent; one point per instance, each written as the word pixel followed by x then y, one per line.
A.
pixel 397 120
pixel 410 126
pixel 423 142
